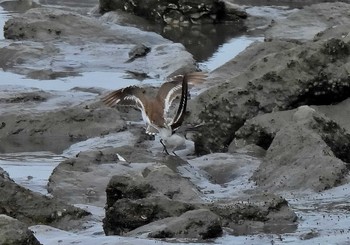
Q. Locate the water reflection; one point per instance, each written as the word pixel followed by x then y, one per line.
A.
pixel 202 41
pixel 226 51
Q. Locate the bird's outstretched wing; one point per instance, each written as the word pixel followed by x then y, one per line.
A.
pixel 172 88
pixel 129 96
pixel 180 114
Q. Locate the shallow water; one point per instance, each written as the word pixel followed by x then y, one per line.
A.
pixel 32 169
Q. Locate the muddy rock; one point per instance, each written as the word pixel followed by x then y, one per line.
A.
pixel 46 24
pixel 83 179
pixel 340 113
pixel 127 214
pixel 33 208
pixel 154 202
pixel 309 21
pixel 178 12
pixel 197 224
pixel 19 5
pixel 155 193
pixel 301 74
pixel 57 43
pixel 14 232
pixel 317 149
pixel 256 213
pixel 56 130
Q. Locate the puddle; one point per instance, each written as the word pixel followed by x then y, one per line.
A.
pixel 227 51
pixel 31 170
pixel 106 80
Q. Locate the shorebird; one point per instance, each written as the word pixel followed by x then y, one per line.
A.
pixel 155 110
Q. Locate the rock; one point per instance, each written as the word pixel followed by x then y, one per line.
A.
pixel 196 224
pixel 56 130
pixel 314 73
pixel 317 150
pixel 57 43
pixel 127 214
pixel 33 208
pixel 309 21
pixel 338 113
pixel 19 6
pixel 158 199
pixel 83 179
pixel 178 12
pixel 138 51
pixel 256 213
pixel 229 171
pixel 14 232
pixel 251 150
pixel 46 24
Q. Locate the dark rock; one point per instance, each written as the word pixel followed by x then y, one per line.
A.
pixel 177 12
pixel 312 20
pixel 54 33
pixel 23 97
pixel 137 52
pixel 120 187
pixel 301 74
pixel 309 235
pixel 128 214
pixel 256 213
pixel 33 208
pixel 318 150
pixel 83 179
pixel 340 113
pixel 56 130
pixel 14 232
pixel 157 192
pixel 153 203
pixel 197 224
pixel 20 6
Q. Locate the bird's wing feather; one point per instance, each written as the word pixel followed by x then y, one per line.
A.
pixel 180 114
pixel 129 96
pixel 172 88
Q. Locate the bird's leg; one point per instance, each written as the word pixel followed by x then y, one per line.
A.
pixel 164 147
pixel 174 153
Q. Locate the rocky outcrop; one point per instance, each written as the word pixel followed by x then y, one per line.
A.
pixel 14 232
pixel 318 150
pixel 83 179
pixel 33 208
pixel 19 6
pixel 309 21
pixel 269 83
pixel 178 12
pixel 56 130
pixel 197 224
pixel 156 201
pixel 67 43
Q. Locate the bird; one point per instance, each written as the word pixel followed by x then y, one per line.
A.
pixel 155 110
